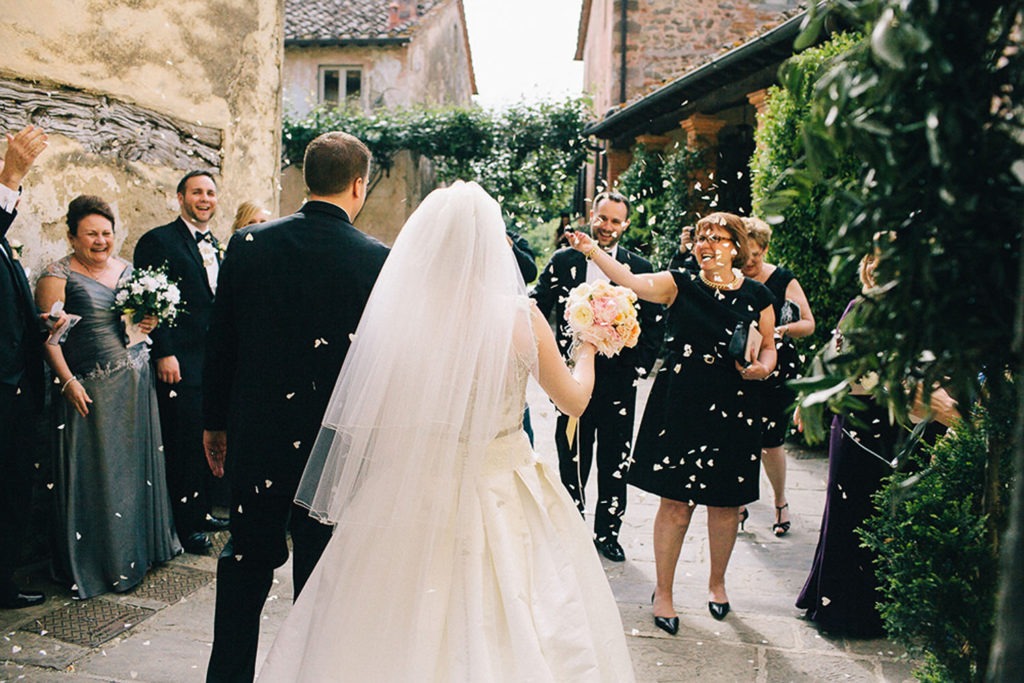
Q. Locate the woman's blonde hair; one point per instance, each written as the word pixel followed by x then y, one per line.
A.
pixel 734 225
pixel 759 231
pixel 247 215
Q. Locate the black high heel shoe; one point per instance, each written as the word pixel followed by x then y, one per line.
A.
pixel 744 514
pixel 669 625
pixel 780 528
pixel 718 609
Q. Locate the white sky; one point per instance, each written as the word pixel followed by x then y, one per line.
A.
pixel 523 49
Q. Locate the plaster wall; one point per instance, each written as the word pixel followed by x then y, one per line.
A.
pixel 213 64
pixel 431 70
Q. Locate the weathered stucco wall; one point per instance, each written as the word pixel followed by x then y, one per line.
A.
pixel 210 67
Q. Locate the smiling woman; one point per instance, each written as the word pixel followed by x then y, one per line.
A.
pixel 700 438
pixel 114 512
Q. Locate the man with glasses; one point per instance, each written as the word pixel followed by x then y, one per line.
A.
pixel 607 425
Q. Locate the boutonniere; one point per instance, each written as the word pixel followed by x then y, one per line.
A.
pixel 16 248
pixel 221 249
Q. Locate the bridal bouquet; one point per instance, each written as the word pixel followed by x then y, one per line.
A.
pixel 147 291
pixel 604 315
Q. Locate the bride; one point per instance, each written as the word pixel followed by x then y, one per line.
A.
pixel 458 555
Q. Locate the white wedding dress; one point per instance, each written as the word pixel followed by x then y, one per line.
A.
pixel 529 598
pixel 458 556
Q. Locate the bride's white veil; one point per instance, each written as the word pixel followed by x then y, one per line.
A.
pixel 423 391
pixel 423 379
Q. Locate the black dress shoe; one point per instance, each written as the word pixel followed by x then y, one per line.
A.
pixel 611 550
pixel 718 609
pixel 197 544
pixel 23 599
pixel 216 523
pixel 669 625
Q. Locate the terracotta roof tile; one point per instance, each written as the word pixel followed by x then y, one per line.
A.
pixel 348 19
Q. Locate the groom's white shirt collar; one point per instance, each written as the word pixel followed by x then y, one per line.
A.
pixel 594 273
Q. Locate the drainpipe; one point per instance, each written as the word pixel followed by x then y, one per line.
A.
pixel 622 54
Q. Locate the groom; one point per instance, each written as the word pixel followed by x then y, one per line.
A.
pixel 289 295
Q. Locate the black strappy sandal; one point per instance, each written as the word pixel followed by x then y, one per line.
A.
pixel 780 528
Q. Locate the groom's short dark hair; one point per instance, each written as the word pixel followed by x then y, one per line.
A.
pixel 333 161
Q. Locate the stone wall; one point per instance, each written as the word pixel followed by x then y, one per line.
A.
pixel 665 39
pixel 135 94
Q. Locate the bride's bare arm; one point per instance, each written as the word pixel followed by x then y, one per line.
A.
pixel 657 288
pixel 569 391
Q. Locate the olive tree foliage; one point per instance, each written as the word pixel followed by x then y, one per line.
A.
pixel 525 156
pixel 929 104
pixel 925 106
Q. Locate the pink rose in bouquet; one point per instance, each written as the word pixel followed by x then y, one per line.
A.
pixel 604 315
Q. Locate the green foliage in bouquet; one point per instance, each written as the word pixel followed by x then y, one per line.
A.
pixel 936 568
pixel 149 291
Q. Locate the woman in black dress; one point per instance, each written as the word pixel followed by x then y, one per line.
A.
pixel 700 437
pixel 793 320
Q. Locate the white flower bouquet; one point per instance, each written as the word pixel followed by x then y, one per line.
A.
pixel 147 291
pixel 604 315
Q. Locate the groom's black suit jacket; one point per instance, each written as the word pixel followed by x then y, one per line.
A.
pixel 174 245
pixel 290 293
pixel 21 351
pixel 567 269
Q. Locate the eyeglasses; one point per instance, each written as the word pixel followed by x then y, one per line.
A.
pixel 714 239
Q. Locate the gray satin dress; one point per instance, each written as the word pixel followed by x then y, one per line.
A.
pixel 113 516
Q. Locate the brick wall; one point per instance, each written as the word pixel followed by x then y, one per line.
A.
pixel 669 37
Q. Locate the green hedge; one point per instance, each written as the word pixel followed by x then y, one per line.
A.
pixel 800 234
pixel 936 567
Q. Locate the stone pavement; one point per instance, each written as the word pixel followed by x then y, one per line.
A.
pixel 161 631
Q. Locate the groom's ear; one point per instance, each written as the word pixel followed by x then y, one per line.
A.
pixel 359 188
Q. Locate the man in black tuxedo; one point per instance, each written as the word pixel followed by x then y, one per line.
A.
pixel 291 292
pixel 608 420
pixel 192 256
pixel 21 372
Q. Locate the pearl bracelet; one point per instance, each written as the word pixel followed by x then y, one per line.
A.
pixel 65 386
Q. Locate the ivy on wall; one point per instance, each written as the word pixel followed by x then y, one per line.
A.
pixel 526 156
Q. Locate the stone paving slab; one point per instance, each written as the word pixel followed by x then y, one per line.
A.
pixel 763 640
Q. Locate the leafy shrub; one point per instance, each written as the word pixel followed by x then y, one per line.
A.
pixel 665 190
pixel 800 235
pixel 936 566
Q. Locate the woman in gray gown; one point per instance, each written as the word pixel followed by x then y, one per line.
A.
pixel 113 518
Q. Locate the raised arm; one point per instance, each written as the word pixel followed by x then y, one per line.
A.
pixel 659 288
pixel 570 392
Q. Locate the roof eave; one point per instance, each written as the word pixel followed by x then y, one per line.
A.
pixel 649 106
pixel 345 42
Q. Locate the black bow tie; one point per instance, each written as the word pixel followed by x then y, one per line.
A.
pixel 200 236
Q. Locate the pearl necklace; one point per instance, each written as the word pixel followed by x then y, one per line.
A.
pixel 733 284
